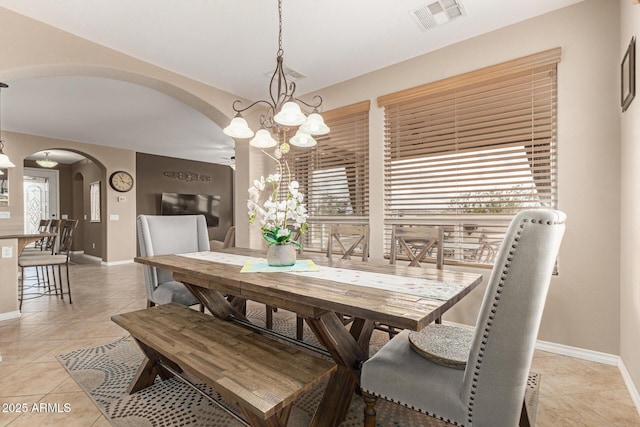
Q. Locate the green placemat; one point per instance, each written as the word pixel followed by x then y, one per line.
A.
pixel 261 266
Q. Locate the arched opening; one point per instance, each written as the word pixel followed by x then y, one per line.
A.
pixel 64 191
pixel 117 243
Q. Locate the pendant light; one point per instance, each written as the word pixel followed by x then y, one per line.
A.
pixel 46 162
pixel 283 109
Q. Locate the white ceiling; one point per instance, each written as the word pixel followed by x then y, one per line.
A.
pixel 227 44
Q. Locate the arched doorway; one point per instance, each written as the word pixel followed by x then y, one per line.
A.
pixel 76 173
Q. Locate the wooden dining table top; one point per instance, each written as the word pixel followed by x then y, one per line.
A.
pixel 313 294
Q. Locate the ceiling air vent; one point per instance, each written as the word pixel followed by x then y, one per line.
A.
pixel 437 13
pixel 292 75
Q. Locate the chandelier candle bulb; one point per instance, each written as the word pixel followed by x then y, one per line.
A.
pixel 238 128
pixel 263 139
pixel 302 139
pixel 290 115
pixel 315 125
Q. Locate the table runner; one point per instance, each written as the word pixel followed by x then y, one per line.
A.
pixel 425 288
pixel 261 266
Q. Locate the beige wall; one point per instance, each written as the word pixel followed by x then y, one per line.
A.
pixel 630 212
pixel 9 280
pixel 152 183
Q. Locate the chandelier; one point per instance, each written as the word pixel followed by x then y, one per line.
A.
pixel 46 162
pixel 4 159
pixel 283 110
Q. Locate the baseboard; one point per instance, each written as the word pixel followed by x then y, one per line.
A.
pixel 99 260
pixel 633 391
pixel 93 258
pixel 111 263
pixel 565 350
pixel 578 353
pixel 10 315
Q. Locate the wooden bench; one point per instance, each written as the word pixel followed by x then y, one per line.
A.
pixel 262 375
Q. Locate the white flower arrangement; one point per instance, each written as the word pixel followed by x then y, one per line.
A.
pixel 277 217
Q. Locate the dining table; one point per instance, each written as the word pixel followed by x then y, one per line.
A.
pixel 367 292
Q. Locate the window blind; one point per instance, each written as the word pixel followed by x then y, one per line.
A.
pixel 470 151
pixel 334 175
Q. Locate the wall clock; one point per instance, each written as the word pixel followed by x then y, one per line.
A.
pixel 121 181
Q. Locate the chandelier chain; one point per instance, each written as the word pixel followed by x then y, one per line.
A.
pixel 280 51
pixel 2 85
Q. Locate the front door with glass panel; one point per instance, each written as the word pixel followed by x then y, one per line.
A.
pixel 40 197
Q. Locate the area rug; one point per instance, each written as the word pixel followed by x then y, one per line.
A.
pixel 104 373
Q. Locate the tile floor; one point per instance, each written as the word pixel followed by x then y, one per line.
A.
pixel 573 392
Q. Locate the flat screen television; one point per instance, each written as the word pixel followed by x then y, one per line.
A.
pixel 192 204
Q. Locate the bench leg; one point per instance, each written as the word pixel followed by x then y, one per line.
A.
pixel 149 369
pixel 277 420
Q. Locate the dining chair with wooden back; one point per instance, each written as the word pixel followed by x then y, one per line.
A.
pixel 488 244
pixel 43 227
pixel 415 243
pixel 163 235
pixel 488 390
pixel 44 246
pixel 348 239
pixel 61 257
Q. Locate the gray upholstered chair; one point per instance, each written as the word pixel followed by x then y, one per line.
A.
pixel 489 391
pixel 228 242
pixel 162 235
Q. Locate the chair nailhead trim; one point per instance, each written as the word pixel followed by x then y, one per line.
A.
pixel 489 323
pixel 431 414
pixel 491 317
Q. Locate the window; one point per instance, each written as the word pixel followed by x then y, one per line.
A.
pixel 94 195
pixel 334 175
pixel 470 151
